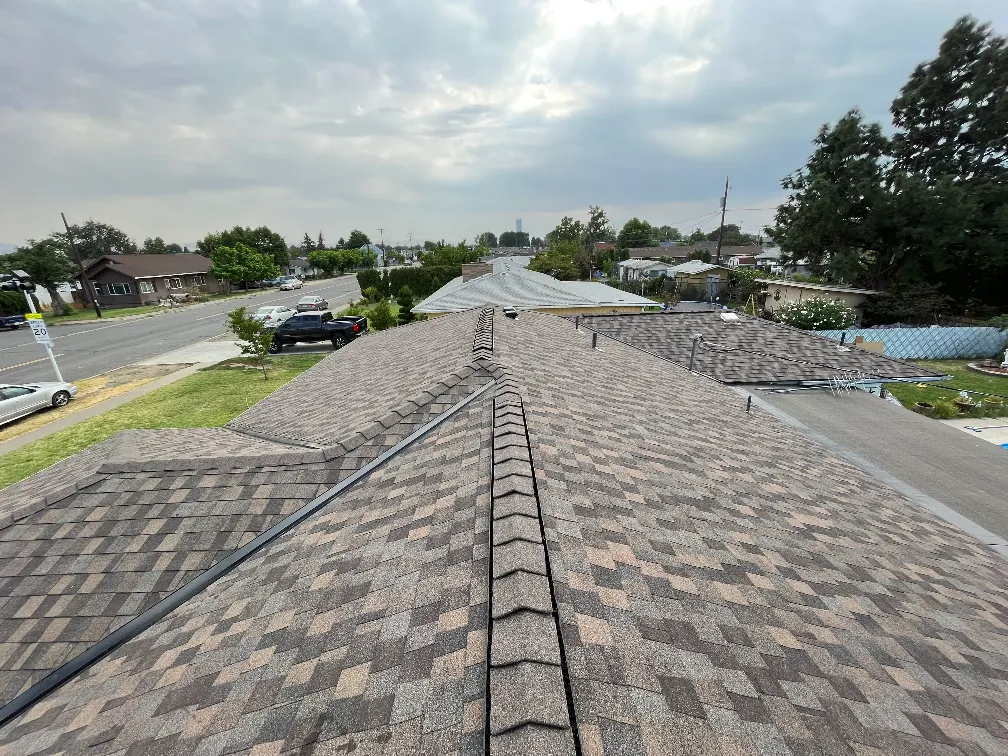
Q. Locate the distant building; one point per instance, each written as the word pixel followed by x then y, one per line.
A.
pixel 518 225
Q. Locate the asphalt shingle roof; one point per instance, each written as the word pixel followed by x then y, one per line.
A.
pixel 151 266
pixel 747 350
pixel 571 553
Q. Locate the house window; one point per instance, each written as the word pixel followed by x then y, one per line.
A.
pixel 97 288
pixel 119 288
pixel 174 283
pixel 146 287
pixel 199 280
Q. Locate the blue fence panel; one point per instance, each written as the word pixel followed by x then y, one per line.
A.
pixel 936 343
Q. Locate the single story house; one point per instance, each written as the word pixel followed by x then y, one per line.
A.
pixel 512 285
pixel 636 270
pixel 133 280
pixel 785 292
pixel 710 279
pixel 300 267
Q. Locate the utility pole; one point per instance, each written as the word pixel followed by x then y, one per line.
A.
pixel 384 257
pixel 85 284
pixel 724 206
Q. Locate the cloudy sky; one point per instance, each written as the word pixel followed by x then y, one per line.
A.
pixel 436 117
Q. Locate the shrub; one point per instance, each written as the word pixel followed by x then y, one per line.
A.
pixel 945 410
pixel 369 278
pixel 422 281
pixel 405 300
pixel 380 316
pixel 370 294
pixel 998 321
pixel 816 314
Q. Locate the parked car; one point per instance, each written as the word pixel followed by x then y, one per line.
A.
pixel 12 321
pixel 23 399
pixel 269 283
pixel 311 327
pixel 311 303
pixel 290 282
pixel 272 315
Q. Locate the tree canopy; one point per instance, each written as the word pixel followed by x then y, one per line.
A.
pixel 513 239
pixel 94 239
pixel 357 239
pixel 47 265
pixel 558 260
pixel 928 206
pixel 261 239
pixel 241 264
pixel 487 238
pixel 446 254
pixel 635 233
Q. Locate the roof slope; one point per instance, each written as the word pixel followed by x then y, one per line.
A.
pixel 749 350
pixel 512 285
pixel 148 266
pixel 668 578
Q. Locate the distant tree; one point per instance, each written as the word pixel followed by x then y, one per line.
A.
pixel 487 238
pixel 155 246
pixel 252 336
pixel 241 263
pixel 537 242
pixel 357 239
pixel 93 240
pixel 703 255
pixel 307 245
pixel 47 264
pixel 667 233
pixel 325 260
pixel 568 229
pixel 341 243
pixel 733 236
pixel 175 249
pixel 696 236
pixel 261 239
pixel 558 260
pixel 635 233
pixel 429 246
pixel 320 244
pixel 513 239
pixel 446 254
pixel 596 230
pixel 184 249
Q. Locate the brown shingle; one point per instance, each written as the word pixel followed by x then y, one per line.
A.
pixel 151 266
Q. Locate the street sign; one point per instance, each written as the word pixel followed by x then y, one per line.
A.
pixel 39 329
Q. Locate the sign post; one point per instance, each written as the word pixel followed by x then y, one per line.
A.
pixel 41 334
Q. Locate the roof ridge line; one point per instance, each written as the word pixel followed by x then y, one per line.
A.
pixel 527 679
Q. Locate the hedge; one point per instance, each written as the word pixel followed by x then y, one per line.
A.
pixel 422 281
pixel 13 303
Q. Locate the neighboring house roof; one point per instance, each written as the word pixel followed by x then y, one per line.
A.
pixel 769 254
pixel 831 288
pixel 151 266
pixel 644 253
pixel 511 285
pixel 300 262
pixel 750 350
pixel 502 264
pixel 696 267
pixel 507 537
pixel 643 264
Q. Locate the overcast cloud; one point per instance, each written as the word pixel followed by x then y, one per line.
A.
pixel 180 117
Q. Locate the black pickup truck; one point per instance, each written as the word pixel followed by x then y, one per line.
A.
pixel 318 326
pixel 12 321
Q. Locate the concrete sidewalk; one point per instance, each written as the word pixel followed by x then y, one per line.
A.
pixel 992 429
pixel 72 419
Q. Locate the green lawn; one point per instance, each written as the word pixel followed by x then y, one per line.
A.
pixel 119 312
pixel 963 379
pixel 207 399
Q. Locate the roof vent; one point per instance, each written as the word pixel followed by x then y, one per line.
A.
pixel 729 317
pixel 510 312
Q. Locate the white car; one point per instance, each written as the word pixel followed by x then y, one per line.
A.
pixel 272 316
pixel 291 283
pixel 22 399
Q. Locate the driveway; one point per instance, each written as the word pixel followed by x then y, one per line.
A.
pixel 96 347
pixel 959 470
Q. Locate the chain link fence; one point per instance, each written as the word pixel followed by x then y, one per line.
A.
pixel 934 343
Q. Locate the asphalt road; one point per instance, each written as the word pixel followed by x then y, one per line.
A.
pixel 96 347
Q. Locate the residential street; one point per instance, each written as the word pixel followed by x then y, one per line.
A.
pixel 91 348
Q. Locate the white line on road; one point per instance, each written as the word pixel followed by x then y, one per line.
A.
pixel 30 362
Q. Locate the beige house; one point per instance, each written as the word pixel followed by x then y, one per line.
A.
pixel 786 292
